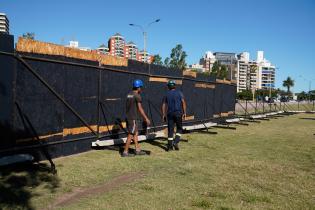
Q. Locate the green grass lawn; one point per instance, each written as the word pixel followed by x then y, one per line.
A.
pixel 267 165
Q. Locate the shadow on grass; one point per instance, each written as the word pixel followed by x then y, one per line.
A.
pixel 120 149
pixel 158 144
pixel 307 118
pixel 17 184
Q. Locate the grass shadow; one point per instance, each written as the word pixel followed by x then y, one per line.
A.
pixel 17 183
pixel 307 118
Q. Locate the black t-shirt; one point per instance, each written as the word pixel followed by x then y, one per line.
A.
pixel 132 101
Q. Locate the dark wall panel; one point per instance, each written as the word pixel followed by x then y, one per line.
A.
pixel 83 88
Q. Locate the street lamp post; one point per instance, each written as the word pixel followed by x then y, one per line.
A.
pixel 144 32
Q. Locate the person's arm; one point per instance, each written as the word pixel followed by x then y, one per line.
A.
pixel 141 111
pixel 164 111
pixel 184 106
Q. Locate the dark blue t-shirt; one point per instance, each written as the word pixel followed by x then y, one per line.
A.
pixel 173 100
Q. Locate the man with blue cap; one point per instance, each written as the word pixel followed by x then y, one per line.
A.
pixel 174 111
pixel 133 112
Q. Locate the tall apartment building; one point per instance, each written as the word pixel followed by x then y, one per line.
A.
pixel 256 74
pixel 116 45
pixel 249 74
pixel 266 72
pixel 4 24
pixel 131 51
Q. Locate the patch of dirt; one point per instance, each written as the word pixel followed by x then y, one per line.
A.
pixel 79 193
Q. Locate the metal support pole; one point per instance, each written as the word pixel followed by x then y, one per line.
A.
pixel 263 107
pixel 55 93
pixel 298 105
pixel 246 108
pixel 145 42
pixel 99 101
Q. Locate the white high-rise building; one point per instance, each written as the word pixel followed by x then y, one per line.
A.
pixel 4 23
pixel 249 74
pixel 256 74
pixel 260 56
pixel 207 61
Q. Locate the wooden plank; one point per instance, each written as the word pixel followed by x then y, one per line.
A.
pixel 164 80
pixel 192 117
pixel 190 73
pixel 223 81
pixel 224 114
pixel 33 46
pixel 110 142
pixel 75 131
pixel 158 79
pixel 204 85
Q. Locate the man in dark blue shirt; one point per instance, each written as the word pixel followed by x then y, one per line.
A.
pixel 174 110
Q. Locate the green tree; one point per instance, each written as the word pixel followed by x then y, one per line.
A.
pixel 167 62
pixel 29 35
pixel 245 95
pixel 157 59
pixel 288 83
pixel 302 96
pixel 215 69
pixel 223 72
pixel 263 92
pixel 178 57
pixel 219 71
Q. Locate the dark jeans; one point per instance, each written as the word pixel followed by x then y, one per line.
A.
pixel 172 120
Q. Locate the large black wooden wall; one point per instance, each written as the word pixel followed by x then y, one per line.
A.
pixel 82 88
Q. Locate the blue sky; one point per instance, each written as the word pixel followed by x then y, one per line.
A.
pixel 284 29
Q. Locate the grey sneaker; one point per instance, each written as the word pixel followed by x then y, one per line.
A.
pixel 141 152
pixel 127 155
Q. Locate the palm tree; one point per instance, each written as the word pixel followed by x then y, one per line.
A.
pixel 288 83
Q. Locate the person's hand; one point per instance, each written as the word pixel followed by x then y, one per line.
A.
pixel 147 121
pixel 184 116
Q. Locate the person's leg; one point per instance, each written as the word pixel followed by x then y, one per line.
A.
pixel 130 136
pixel 179 130
pixel 135 140
pixel 128 142
pixel 170 128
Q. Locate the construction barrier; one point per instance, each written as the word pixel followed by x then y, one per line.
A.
pixel 64 100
